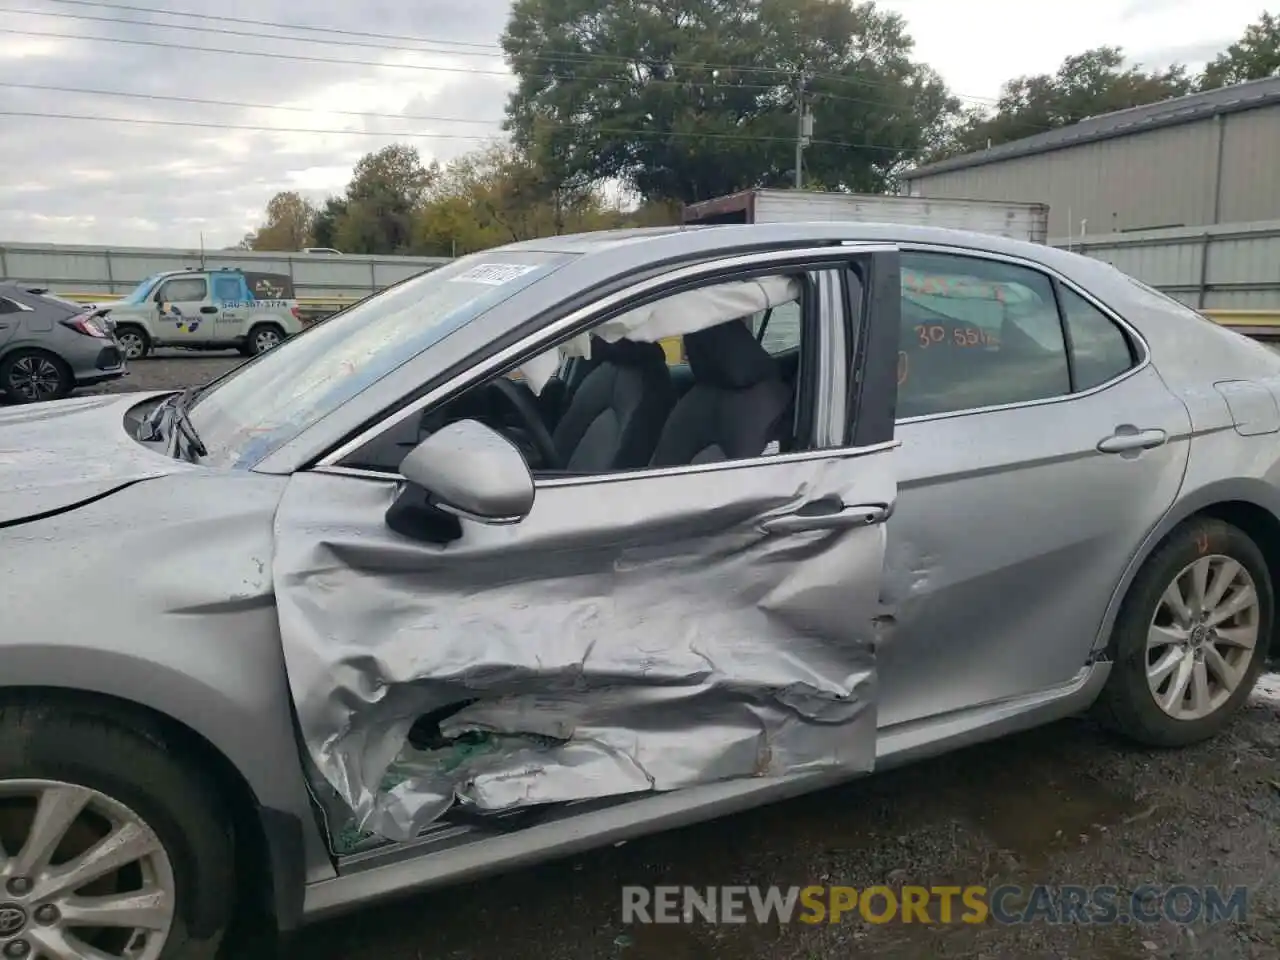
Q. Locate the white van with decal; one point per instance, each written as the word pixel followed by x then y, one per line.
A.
pixel 207 310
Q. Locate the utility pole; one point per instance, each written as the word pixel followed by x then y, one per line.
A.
pixel 804 127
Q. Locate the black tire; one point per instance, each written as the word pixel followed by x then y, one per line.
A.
pixel 133 765
pixel 132 330
pixel 18 364
pixel 1127 704
pixel 250 346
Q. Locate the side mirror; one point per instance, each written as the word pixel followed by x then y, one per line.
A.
pixel 470 471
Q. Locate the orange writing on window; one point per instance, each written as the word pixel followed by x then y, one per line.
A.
pixel 902 367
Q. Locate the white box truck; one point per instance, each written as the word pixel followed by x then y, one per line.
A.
pixel 1020 221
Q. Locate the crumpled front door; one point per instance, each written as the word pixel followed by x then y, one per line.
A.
pixel 631 634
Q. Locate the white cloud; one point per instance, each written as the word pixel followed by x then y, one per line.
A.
pixel 95 181
pixel 978 44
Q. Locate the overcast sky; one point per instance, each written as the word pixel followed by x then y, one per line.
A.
pixel 101 182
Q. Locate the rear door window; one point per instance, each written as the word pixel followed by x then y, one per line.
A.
pixel 977 333
pixel 228 289
pixel 778 329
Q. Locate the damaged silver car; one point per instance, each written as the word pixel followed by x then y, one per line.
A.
pixel 591 536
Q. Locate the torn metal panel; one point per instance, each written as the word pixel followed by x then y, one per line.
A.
pixel 631 635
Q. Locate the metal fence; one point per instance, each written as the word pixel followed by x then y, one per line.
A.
pixel 102 273
pixel 1228 267
pixel 1230 272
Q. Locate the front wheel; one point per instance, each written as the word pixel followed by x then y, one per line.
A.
pixel 1191 637
pixel 109 847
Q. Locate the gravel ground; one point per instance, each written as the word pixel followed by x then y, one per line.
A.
pixel 170 368
pixel 1061 805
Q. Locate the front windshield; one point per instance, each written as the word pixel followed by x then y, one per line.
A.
pixel 140 292
pixel 270 400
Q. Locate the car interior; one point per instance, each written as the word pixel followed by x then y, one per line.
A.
pixel 620 404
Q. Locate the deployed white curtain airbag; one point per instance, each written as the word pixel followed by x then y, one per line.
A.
pixel 671 316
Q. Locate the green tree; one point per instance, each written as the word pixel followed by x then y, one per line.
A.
pixel 1254 56
pixel 324 226
pixel 386 191
pixel 288 224
pixel 690 99
pixel 499 195
pixel 1085 85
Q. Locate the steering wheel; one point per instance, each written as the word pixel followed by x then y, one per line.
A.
pixel 519 399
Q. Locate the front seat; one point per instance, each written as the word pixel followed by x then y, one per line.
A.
pixel 616 414
pixel 737 406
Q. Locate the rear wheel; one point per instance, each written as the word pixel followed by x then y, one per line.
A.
pixel 133 341
pixel 263 337
pixel 109 847
pixel 1191 637
pixel 33 376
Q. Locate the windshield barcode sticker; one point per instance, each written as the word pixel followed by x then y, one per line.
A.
pixel 493 274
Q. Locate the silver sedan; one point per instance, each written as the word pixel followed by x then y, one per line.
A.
pixel 591 536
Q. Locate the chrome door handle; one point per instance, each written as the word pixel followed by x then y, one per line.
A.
pixel 1123 441
pixel 864 515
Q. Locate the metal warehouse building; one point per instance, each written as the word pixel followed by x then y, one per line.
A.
pixel 1210 158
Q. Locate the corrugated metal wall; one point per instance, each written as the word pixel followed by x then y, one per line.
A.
pixel 1227 267
pixel 1160 178
pixel 1251 166
pixel 1020 221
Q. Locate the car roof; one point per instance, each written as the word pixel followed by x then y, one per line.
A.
pixel 717 239
pixel 20 291
pixel 45 299
pixel 621 250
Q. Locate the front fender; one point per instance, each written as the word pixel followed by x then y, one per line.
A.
pixel 160 594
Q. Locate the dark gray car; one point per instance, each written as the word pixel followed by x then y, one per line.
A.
pixel 50 346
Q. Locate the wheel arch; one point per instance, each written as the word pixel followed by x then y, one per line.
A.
pixel 136 324
pixel 1250 504
pixel 149 340
pixel 33 345
pixel 269 846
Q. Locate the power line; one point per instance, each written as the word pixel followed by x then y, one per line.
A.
pixel 582 56
pixel 246 33
pixel 200 101
pixel 284 26
pixel 299 58
pixel 336 60
pixel 395 135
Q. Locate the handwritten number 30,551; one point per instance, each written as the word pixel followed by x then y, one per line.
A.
pixel 936 335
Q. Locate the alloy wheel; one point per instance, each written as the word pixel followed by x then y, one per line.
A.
pixel 82 877
pixel 34 378
pixel 131 343
pixel 265 340
pixel 1202 637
